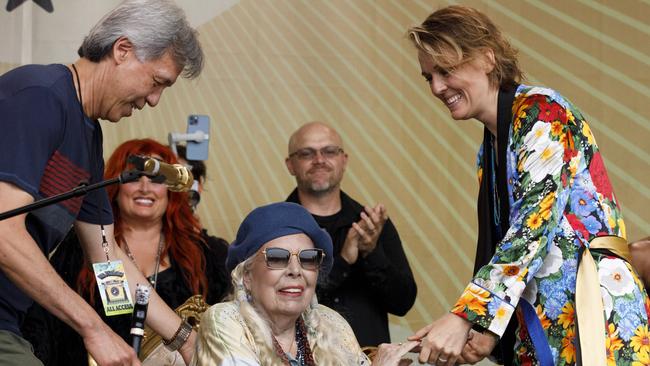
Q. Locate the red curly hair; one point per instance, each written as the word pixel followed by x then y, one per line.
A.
pixel 181 228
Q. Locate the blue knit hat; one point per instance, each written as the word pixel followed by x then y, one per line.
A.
pixel 272 221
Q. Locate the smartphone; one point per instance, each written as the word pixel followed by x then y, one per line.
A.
pixel 198 150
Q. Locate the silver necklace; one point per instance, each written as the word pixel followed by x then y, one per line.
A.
pixel 154 280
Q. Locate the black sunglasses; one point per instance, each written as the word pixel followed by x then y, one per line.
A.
pixel 278 258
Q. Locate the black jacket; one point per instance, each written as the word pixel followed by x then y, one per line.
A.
pixel 366 291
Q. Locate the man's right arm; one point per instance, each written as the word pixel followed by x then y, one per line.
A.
pixel 23 262
pixel 160 317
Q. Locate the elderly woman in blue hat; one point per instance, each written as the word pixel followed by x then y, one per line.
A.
pixel 274 318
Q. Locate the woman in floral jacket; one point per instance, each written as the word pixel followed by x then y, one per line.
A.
pixel 551 253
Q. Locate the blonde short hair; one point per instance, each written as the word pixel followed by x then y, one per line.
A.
pixel 458 34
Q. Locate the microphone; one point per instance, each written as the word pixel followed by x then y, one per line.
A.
pixel 142 293
pixel 178 178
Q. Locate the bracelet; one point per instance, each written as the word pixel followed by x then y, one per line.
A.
pixel 179 338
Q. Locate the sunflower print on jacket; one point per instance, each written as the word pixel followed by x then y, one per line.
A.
pixel 560 198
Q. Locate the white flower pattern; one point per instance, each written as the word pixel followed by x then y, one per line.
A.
pixel 548 155
pixel 616 277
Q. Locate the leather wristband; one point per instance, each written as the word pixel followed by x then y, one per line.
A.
pixel 179 338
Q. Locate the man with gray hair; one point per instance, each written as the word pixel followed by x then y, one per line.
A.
pixel 51 142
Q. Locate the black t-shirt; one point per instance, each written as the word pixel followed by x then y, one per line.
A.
pixel 48 147
pixel 329 223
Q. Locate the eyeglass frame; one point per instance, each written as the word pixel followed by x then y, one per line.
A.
pixel 297 254
pixel 315 152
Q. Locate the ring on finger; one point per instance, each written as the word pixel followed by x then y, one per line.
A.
pixel 442 359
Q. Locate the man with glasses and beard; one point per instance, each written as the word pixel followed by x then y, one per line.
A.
pixel 371 276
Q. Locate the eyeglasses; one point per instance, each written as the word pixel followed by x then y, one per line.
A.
pixel 278 258
pixel 308 153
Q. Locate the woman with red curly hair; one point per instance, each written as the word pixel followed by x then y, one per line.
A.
pixel 160 234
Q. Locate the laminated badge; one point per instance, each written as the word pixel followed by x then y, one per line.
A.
pixel 113 287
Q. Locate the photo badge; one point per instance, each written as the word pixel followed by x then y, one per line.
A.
pixel 113 287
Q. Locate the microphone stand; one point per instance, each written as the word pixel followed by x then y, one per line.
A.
pixel 83 189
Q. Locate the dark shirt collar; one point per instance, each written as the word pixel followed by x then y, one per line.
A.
pixel 349 211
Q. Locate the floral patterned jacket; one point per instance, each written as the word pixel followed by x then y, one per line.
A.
pixel 560 198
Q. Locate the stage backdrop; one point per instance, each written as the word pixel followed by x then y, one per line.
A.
pixel 272 65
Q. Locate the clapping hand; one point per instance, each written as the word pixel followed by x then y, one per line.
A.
pixel 363 235
pixel 369 227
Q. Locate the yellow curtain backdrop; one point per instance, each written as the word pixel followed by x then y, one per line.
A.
pixel 272 65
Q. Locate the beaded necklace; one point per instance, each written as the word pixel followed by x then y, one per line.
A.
pixel 303 354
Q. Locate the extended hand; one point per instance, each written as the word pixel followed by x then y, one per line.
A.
pixel 478 347
pixel 390 354
pixel 443 340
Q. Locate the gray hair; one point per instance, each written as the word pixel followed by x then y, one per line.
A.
pixel 153 27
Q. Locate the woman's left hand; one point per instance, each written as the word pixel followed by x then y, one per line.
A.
pixel 390 354
pixel 443 340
